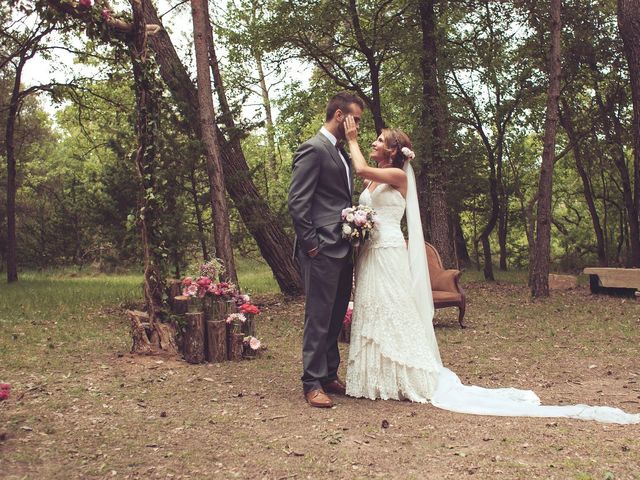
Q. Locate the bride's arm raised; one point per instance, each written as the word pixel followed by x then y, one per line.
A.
pixel 391 176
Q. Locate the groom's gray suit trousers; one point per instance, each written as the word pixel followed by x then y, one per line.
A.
pixel 327 287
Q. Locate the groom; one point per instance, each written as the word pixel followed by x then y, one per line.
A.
pixel 320 188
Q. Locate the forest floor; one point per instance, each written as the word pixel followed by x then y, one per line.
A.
pixel 82 407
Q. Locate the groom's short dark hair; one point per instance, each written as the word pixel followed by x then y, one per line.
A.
pixel 342 101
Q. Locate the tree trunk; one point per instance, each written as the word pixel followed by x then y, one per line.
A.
pixel 503 207
pixel 147 91
pixel 540 267
pixel 432 178
pixel 629 25
pixel 219 210
pixel 12 115
pixel 613 131
pixel 196 205
pixel 274 244
pixel 566 120
pixel 462 253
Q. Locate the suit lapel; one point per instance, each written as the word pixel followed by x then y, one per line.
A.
pixel 333 152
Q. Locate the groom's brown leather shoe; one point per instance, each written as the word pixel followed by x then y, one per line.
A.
pixel 317 398
pixel 335 386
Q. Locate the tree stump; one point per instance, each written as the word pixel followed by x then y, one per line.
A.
pixel 180 304
pixel 194 338
pixel 218 309
pixel 216 341
pixel 174 289
pixel 237 346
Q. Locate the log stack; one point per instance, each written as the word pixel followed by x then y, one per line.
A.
pixel 206 336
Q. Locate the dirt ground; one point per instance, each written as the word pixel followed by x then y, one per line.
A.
pixel 103 413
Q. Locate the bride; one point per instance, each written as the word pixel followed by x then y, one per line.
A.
pixel 394 352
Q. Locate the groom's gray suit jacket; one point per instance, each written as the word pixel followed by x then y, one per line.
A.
pixel 318 193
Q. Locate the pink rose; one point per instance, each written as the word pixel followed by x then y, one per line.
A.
pixel 85 3
pixel 106 14
pixel 360 218
pixel 254 343
pixel 187 281
pixel 345 212
pixel 190 291
pixel 204 281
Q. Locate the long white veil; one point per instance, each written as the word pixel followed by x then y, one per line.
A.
pixel 450 393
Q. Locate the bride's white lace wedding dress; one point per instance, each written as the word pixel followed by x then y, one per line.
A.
pixel 394 353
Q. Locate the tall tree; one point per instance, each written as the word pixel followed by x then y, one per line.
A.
pixel 434 128
pixel 542 249
pixel 222 231
pixel 25 46
pixel 629 25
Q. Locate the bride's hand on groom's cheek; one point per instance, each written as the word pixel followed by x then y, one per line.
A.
pixel 350 129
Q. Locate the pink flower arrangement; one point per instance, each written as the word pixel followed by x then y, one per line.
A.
pixel 223 289
pixel 249 308
pixel 357 223
pixel 5 390
pixel 252 342
pixel 242 298
pixel 236 318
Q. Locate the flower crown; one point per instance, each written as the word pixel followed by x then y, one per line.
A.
pixel 408 153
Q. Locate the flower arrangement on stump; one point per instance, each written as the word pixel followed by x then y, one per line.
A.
pixel 223 306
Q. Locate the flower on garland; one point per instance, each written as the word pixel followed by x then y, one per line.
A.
pixel 106 14
pixel 85 3
pixel 249 308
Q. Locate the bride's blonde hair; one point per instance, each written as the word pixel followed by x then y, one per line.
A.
pixel 396 139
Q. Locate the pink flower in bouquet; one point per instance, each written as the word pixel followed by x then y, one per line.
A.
pixel 85 3
pixel 190 291
pixel 5 390
pixel 249 308
pixel 360 218
pixel 345 212
pixel 204 282
pixel 254 343
pixel 106 14
pixel 187 281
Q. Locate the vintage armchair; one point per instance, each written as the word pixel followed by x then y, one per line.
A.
pixel 445 284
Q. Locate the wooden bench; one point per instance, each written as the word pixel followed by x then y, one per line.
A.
pixel 445 284
pixel 615 280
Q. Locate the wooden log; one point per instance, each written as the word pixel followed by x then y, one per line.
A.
pixel 194 338
pixel 237 346
pixel 218 309
pixel 180 304
pixel 174 289
pixel 216 341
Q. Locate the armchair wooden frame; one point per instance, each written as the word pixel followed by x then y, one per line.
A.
pixel 445 284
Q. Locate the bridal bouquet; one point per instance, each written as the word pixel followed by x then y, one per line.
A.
pixel 357 223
